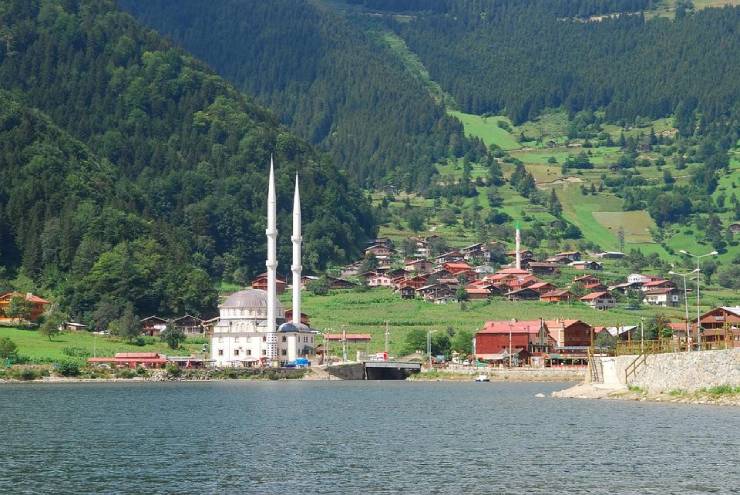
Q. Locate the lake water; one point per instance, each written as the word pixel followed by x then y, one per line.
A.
pixel 356 437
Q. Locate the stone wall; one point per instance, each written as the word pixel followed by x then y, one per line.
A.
pixel 687 371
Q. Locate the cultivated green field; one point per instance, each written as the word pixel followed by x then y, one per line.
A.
pixel 39 349
pixel 488 130
pixel 367 312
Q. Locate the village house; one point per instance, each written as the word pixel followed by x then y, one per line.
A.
pixel 381 241
pixel 449 257
pixel 336 283
pixel 419 266
pixel 458 268
pixel 36 305
pixel 478 293
pixel 543 287
pixel 594 286
pixel 407 292
pixel 541 268
pixel 640 279
pixel 599 300
pixel 153 325
pixel 524 294
pixel 379 251
pixel 658 284
pixel 721 317
pixel 261 283
pixel 570 333
pixel 557 296
pixel 586 265
pixel 376 279
pixel 564 258
pixel 734 228
pixel 521 282
pixel 522 339
pixel 525 254
pixel 350 270
pixel 189 325
pixel 611 255
pixel 484 270
pixel 131 360
pixel 305 320
pixel 621 332
pixel 665 296
pixel 586 279
pixel 438 275
pixel 626 287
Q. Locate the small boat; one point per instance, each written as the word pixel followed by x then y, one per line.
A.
pixel 482 378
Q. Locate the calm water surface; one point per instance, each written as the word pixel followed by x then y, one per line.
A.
pixel 356 437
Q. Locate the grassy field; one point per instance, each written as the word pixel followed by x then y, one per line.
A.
pixel 367 312
pixel 38 348
pixel 488 130
pixel 636 224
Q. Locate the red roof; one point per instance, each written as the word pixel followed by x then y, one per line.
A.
pixel 654 283
pixel 512 271
pixel 540 285
pixel 559 323
pixel 595 295
pixel 555 293
pixel 477 290
pixel 349 336
pixel 504 326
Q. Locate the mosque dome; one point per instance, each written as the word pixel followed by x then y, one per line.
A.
pixel 254 299
pixel 287 327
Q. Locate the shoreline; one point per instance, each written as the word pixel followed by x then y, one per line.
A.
pixel 594 392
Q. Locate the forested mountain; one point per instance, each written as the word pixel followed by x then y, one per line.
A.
pixel 520 57
pixel 328 80
pixel 132 173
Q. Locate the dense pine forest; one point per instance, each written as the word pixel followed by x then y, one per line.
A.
pixel 131 173
pixel 329 81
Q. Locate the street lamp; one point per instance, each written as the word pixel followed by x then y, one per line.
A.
pixel 429 346
pixel 686 302
pixel 698 276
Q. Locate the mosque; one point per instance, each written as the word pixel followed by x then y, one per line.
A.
pixel 251 330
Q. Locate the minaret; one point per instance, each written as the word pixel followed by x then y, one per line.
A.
pixel 296 266
pixel 271 263
pixel 518 241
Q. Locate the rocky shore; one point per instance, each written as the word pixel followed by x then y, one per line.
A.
pixel 718 396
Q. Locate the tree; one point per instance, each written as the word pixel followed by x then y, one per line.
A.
pixel 173 335
pixel 416 340
pixel 19 308
pixel 462 342
pixel 460 294
pixel 53 320
pixel 729 277
pixel 416 220
pixel 320 286
pixel 556 209
pixel 708 269
pixel 8 349
pixel 128 326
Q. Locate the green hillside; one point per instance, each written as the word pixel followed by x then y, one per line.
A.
pixel 131 173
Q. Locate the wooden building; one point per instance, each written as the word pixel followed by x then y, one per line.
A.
pixel 261 283
pixel 557 296
pixel 190 325
pixel 570 333
pixel 599 300
pixel 524 338
pixel 36 305
pixel 525 294
pixel 153 325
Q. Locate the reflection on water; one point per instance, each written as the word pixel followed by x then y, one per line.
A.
pixel 356 437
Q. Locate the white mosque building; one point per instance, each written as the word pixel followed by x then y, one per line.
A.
pixel 247 332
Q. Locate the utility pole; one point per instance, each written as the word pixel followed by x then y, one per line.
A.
pixel 510 355
pixel 642 335
pixel 698 276
pixel 344 344
pixel 387 335
pixel 429 347
pixel 686 305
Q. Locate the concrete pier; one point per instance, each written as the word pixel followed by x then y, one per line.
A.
pixel 374 370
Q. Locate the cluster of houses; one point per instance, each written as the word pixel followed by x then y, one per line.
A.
pixel 554 342
pixel 438 279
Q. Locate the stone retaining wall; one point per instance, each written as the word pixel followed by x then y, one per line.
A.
pixel 687 371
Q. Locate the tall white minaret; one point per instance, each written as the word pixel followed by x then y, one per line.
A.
pixel 296 266
pixel 271 263
pixel 518 240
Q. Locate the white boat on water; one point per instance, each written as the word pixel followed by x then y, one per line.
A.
pixel 482 377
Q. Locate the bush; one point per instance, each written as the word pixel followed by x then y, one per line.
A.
pixel 125 373
pixel 8 349
pixel 68 368
pixel 75 352
pixel 173 370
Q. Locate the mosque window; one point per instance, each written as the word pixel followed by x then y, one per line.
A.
pixel 264 352
pixel 236 352
pixel 284 339
pixel 249 352
pixel 284 352
pixel 220 352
